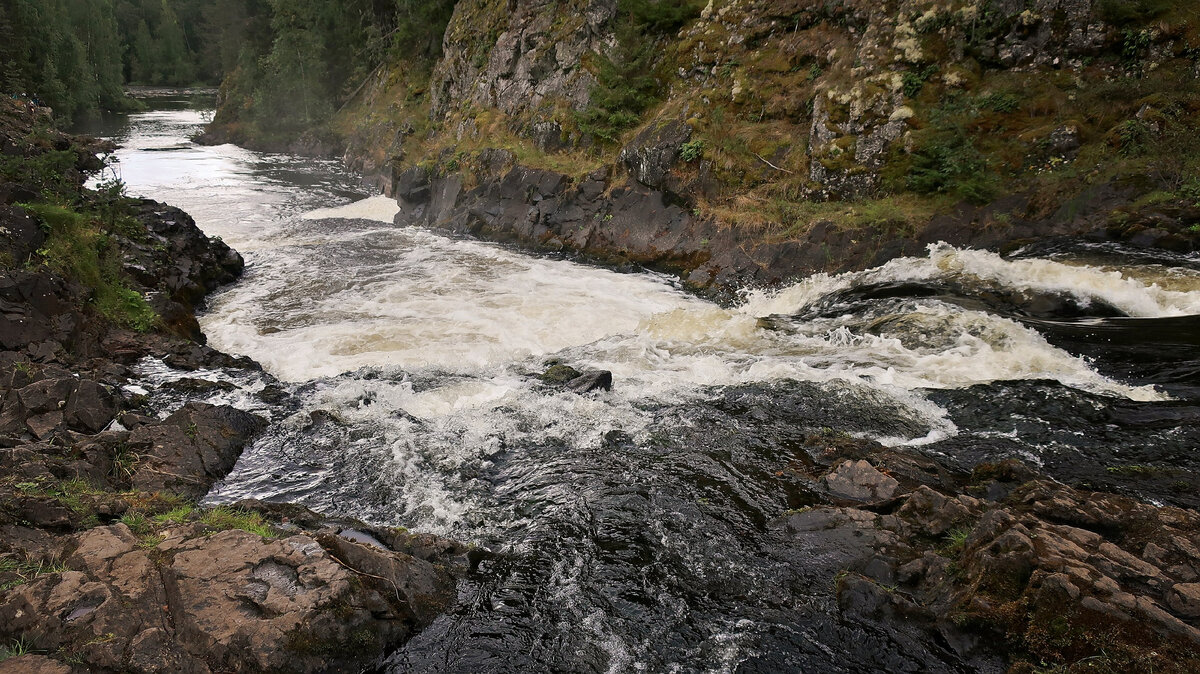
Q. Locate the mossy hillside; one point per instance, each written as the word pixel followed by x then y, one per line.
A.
pixel 745 77
pixel 81 247
pixel 83 228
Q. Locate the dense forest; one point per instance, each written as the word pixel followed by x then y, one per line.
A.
pixel 289 61
pixel 77 55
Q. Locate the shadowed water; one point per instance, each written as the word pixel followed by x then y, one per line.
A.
pixel 634 530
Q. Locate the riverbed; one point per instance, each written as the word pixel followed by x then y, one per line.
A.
pixel 632 528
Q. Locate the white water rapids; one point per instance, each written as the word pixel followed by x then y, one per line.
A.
pixel 632 525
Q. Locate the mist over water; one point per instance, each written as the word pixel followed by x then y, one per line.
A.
pixel 632 527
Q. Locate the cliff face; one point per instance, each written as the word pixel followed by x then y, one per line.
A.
pixel 796 136
pixel 520 57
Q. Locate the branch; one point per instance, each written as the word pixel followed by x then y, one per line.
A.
pixel 772 165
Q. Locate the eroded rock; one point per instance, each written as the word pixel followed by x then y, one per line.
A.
pixel 192 448
pixel 859 480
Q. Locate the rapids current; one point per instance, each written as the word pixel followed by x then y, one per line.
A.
pixel 633 528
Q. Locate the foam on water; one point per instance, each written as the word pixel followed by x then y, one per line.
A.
pixel 419 349
pixel 378 208
pixel 419 300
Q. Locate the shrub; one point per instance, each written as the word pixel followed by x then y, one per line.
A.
pixel 949 163
pixel 661 16
pixel 692 150
pixel 1122 12
pixel 624 88
pixel 998 102
pixel 914 80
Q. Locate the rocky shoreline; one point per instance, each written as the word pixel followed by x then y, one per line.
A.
pixel 106 562
pixel 1003 567
pixel 638 214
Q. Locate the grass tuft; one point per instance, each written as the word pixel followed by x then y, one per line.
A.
pixel 224 518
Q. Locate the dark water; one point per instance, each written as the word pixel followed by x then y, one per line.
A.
pixel 638 529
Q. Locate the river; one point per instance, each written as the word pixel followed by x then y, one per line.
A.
pixel 633 528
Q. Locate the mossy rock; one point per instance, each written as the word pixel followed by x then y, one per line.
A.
pixel 559 374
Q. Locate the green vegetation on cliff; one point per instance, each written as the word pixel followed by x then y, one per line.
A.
pixel 316 55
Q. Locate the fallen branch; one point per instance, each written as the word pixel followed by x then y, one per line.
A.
pixel 772 165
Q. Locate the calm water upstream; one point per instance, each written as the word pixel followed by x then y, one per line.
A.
pixel 634 527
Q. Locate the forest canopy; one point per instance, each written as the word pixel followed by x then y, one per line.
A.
pixel 289 61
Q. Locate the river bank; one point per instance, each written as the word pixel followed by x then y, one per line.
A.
pixel 107 563
pixel 772 140
pixel 750 493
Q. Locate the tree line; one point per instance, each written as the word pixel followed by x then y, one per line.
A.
pixel 287 61
pixel 315 54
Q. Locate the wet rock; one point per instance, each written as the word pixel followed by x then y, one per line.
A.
pixel 191 449
pixel 859 480
pixel 559 374
pixel 591 381
pixel 564 376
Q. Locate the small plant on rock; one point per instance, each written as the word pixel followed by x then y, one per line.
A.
pixel 692 150
pixel 15 649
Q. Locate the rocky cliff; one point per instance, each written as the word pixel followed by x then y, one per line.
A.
pixel 757 140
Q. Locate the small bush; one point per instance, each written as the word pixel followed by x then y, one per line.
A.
pixel 661 16
pixel 1123 12
pixel 692 150
pixel 998 102
pixel 949 163
pixel 914 80
pixel 624 88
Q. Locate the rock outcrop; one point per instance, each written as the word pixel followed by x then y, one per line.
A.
pixel 227 601
pixel 1004 566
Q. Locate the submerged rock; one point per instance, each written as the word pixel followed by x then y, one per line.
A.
pixel 193 448
pixel 564 376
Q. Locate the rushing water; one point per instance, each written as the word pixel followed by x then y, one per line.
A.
pixel 633 528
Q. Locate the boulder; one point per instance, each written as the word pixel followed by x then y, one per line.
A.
pixel 650 156
pixel 564 376
pixel 191 449
pixel 591 381
pixel 860 481
pixel 90 407
pixel 1184 599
